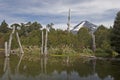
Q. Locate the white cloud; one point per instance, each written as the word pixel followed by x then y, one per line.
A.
pixel 61 8
pixel 95 7
pixel 63 26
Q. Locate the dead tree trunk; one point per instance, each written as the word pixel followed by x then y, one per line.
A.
pixel 45 47
pixel 21 49
pixel 6 50
pixel 42 48
pixel 10 40
pixel 93 42
pixel 9 46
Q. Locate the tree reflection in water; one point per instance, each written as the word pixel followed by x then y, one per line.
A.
pixel 53 69
pixel 7 73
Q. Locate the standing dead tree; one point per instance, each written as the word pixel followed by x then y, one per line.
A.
pixel 42 48
pixel 8 49
pixel 45 40
pixel 93 41
pixel 68 23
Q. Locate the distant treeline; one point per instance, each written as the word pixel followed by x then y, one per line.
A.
pixel 107 39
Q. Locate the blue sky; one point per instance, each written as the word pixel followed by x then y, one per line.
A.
pixel 56 11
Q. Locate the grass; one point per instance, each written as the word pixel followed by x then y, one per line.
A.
pixel 64 55
pixel 32 53
pixel 1 49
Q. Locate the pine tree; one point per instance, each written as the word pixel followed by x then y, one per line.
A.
pixel 115 34
pixel 4 27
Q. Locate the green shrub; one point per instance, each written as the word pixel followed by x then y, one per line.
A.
pixel 101 53
pixel 87 51
pixel 114 54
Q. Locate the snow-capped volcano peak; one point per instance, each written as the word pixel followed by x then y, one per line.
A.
pixel 90 26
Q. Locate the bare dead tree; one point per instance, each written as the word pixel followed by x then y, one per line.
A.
pixel 14 26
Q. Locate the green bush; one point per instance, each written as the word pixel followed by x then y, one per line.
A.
pixel 87 51
pixel 101 53
pixel 114 54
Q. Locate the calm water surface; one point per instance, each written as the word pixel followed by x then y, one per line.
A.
pixel 57 68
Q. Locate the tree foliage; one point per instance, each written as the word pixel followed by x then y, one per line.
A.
pixel 4 27
pixel 115 34
pixel 103 37
pixel 84 38
pixel 62 40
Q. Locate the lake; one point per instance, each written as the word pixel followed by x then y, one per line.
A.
pixel 59 68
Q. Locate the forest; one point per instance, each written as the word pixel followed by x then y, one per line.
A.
pixel 62 42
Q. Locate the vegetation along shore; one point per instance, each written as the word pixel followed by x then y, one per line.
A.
pixel 63 42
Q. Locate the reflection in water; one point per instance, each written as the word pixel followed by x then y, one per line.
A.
pixel 53 69
pixel 58 76
pixel 43 65
pixel 6 75
pixel 94 65
pixel 95 75
pixel 18 65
